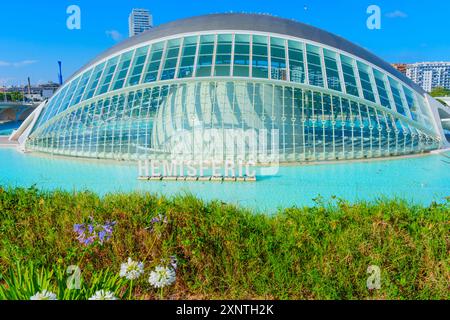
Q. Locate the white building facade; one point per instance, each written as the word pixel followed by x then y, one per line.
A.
pixel 140 20
pixel 430 75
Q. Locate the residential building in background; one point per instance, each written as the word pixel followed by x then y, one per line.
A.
pixel 430 75
pixel 400 67
pixel 140 20
pixel 34 93
pixel 48 90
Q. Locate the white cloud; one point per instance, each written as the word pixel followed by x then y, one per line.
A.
pixel 17 63
pixel 396 14
pixel 114 34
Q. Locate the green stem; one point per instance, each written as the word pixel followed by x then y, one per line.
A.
pixel 162 294
pixel 131 290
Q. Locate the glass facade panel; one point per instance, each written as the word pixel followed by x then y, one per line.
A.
pixel 332 70
pixel 366 82
pixel 260 62
pixel 93 82
pixel 122 70
pixel 206 55
pixel 349 75
pixel 45 113
pixel 241 56
pixel 223 55
pixel 53 111
pixel 278 59
pixel 81 87
pixel 315 74
pixel 107 76
pixel 69 95
pixel 296 62
pixel 425 112
pixel 154 62
pixel 412 104
pixel 135 75
pixel 188 54
pixel 395 89
pixel 382 89
pixel 171 59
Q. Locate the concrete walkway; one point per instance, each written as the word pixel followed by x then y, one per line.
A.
pixel 4 142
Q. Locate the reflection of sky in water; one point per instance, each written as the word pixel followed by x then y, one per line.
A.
pixel 421 180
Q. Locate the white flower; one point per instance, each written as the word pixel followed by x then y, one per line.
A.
pixel 131 270
pixel 162 277
pixel 103 295
pixel 44 295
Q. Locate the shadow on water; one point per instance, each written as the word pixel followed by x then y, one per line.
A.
pixel 7 128
pixel 268 177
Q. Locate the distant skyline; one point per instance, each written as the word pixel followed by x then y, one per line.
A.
pixel 34 36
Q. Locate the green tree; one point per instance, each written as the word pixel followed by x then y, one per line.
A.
pixel 11 96
pixel 440 92
pixel 16 96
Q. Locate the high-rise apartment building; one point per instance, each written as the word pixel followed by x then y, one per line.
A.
pixel 140 20
pixel 430 75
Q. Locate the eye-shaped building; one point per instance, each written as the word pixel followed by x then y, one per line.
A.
pixel 309 94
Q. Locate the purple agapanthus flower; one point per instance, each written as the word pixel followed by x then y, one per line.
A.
pixel 158 219
pixel 78 227
pixel 88 241
pixel 174 262
pixel 154 220
pixel 88 233
pixel 102 236
pixel 109 226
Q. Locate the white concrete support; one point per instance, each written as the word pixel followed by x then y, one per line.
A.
pixel 22 134
pixel 436 109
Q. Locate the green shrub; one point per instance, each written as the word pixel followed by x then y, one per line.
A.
pixel 225 252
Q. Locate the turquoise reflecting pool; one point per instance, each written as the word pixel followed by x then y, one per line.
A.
pixel 420 180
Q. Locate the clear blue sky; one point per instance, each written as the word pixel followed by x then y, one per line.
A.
pixel 33 34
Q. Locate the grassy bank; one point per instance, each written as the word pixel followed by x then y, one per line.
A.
pixel 223 252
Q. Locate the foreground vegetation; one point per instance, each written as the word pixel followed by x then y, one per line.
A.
pixel 221 252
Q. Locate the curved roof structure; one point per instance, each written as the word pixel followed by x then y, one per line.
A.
pixel 253 22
